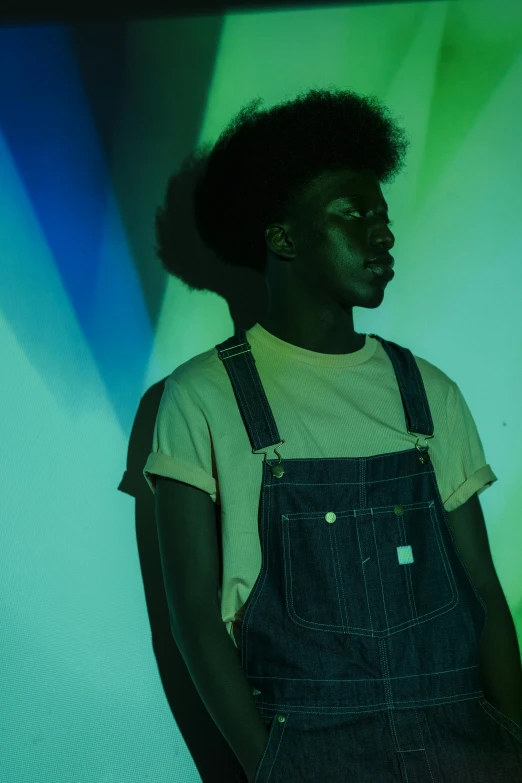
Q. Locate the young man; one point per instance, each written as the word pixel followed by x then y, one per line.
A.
pixel 356 568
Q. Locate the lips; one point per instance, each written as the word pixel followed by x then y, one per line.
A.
pixel 385 259
pixel 382 271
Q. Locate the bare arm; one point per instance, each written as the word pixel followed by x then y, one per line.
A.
pixel 187 533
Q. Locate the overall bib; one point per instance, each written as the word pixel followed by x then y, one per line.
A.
pixel 360 636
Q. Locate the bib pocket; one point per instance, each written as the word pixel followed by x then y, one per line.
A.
pixel 373 571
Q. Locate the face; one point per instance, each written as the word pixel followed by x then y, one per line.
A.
pixel 318 255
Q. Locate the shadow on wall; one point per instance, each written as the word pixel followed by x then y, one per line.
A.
pixel 247 297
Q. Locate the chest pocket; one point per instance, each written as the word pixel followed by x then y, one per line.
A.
pixel 372 573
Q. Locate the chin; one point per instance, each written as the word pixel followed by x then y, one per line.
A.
pixel 369 301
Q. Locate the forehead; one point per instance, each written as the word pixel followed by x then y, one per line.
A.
pixel 330 186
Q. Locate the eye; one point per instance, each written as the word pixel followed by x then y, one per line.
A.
pixel 361 212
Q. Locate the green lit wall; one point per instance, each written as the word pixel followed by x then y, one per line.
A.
pixel 93 120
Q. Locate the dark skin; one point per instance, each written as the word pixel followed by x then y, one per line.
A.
pixel 316 270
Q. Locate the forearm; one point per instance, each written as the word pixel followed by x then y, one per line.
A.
pixel 499 655
pixel 216 671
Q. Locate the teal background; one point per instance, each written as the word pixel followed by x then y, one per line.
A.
pixel 94 118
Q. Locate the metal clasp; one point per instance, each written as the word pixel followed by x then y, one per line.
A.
pixel 277 470
pixel 424 450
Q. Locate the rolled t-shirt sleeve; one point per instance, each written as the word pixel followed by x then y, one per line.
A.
pixel 181 447
pixel 466 469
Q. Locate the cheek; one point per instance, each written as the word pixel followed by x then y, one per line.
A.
pixel 346 243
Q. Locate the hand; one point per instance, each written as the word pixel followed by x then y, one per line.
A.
pixel 252 769
pixel 252 773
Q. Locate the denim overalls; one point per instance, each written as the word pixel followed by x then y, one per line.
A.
pixel 360 636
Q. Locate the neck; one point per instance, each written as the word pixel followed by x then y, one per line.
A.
pixel 333 340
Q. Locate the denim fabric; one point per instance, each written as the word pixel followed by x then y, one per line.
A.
pixel 360 636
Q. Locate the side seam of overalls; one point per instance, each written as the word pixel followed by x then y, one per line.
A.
pixel 360 636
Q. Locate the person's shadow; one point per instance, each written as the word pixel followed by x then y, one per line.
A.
pixel 247 297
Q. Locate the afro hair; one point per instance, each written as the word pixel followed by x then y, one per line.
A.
pixel 262 161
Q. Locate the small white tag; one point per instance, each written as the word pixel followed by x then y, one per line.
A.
pixel 404 554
